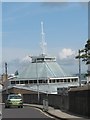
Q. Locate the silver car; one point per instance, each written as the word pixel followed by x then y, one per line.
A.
pixel 14 100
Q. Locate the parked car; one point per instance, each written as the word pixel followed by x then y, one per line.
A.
pixel 14 100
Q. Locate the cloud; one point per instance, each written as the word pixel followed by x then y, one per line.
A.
pixel 65 53
pixel 26 59
pixel 67 61
pixel 15 64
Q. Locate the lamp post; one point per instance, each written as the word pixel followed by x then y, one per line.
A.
pixel 6 77
pixel 79 68
pixel 79 57
pixel 37 80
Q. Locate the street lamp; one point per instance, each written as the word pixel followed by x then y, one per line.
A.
pixel 6 77
pixel 37 80
pixel 79 57
pixel 79 68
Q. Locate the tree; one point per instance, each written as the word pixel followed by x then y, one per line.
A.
pixel 85 56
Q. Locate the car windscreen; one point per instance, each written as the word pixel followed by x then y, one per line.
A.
pixel 15 97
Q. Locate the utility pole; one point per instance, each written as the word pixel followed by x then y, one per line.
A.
pixel 79 57
pixel 6 70
pixel 86 57
pixel 6 77
pixel 37 79
pixel 79 69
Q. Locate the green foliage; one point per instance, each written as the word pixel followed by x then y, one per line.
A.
pixel 87 46
pixel 86 54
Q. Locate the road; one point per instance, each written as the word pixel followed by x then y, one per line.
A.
pixel 25 113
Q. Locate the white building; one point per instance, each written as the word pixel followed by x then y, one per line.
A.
pixel 44 74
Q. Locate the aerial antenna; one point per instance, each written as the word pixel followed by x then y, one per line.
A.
pixel 43 43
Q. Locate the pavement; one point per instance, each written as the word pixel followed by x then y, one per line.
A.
pixel 57 113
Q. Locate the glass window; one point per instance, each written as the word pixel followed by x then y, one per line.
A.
pixel 75 80
pixel 17 82
pixel 53 81
pixel 40 81
pixel 61 80
pixel 15 97
pixel 58 80
pixel 68 80
pixel 26 81
pixel 35 81
pixel 30 81
pixel 65 80
pixel 49 81
pixel 21 82
pixel 12 82
pixel 72 80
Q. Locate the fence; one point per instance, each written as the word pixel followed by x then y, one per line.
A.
pixel 56 101
pixel 75 102
pixel 79 102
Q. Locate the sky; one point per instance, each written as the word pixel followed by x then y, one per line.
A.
pixel 65 28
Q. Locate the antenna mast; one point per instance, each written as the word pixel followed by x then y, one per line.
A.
pixel 43 43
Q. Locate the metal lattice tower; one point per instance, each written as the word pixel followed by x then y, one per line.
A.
pixel 43 42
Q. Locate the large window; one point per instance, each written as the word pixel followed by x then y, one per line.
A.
pixel 35 81
pixel 22 82
pixel 65 80
pixel 26 81
pixel 68 80
pixel 40 81
pixel 30 81
pixel 17 82
pixel 12 82
pixel 53 81
pixel 49 81
pixel 61 80
pixel 72 80
pixel 57 80
pixel 75 80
